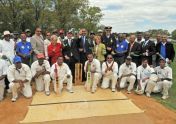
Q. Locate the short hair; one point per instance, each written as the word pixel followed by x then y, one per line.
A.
pixel 144 59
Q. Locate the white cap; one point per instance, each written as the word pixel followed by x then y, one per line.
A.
pixel 6 33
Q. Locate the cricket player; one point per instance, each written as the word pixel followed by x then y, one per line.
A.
pixel 3 74
pixel 92 69
pixel 143 74
pixel 61 73
pixel 41 73
pixel 110 73
pixel 163 82
pixel 127 73
pixel 19 76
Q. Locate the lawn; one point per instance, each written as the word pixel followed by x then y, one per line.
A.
pixel 171 101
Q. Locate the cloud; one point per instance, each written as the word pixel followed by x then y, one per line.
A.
pixel 138 15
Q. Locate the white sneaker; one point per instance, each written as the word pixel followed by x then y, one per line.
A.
pixel 148 94
pixel 47 93
pixel 165 97
pixel 93 91
pixel 129 92
pixel 71 91
pixel 14 99
pixel 113 89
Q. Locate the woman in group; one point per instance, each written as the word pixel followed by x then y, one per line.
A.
pixel 54 49
pixel 99 49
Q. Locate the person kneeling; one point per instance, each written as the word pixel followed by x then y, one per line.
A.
pixel 127 73
pixel 163 82
pixel 109 71
pixel 61 73
pixel 93 73
pixel 19 76
pixel 41 73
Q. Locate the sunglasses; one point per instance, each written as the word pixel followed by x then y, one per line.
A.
pixel 109 58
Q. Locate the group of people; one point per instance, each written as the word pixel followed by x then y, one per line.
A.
pixel 108 60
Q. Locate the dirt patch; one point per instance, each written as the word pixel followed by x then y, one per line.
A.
pixel 12 113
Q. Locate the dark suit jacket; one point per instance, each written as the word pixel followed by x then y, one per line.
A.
pixel 108 42
pixel 150 46
pixel 136 48
pixel 170 52
pixel 71 51
pixel 88 45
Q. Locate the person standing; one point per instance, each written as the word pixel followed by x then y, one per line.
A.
pixel 120 49
pixel 37 43
pixel 54 49
pixel 134 50
pixel 148 48
pixel 166 50
pixel 24 50
pixel 70 53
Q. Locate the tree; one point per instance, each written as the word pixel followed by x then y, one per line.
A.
pixel 174 34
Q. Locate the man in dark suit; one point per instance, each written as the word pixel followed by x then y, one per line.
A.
pixel 84 46
pixel 148 48
pixel 134 50
pixel 165 49
pixel 108 40
pixel 70 52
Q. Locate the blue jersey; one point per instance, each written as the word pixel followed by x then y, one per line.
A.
pixel 24 48
pixel 121 46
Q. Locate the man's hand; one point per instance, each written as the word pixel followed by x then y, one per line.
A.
pixel 66 57
pixel 16 81
pixel 143 80
pixel 80 49
pixel 109 48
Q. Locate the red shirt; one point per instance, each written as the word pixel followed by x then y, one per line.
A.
pixel 54 51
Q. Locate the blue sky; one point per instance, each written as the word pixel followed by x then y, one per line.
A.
pixel 138 15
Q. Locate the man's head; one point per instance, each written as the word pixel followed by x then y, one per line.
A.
pixel 17 61
pixel 60 60
pixel 69 35
pixel 38 31
pixel 109 58
pixel 92 34
pixel 162 62
pixel 144 62
pixel 48 35
pixel 100 32
pixel 158 37
pixel 7 35
pixel 28 32
pixel 90 57
pixel 132 38
pixel 128 60
pixel 164 38
pixel 146 36
pixel 23 36
pixel 139 36
pixel 40 58
pixel 84 32
pixel 108 30
pixel 120 37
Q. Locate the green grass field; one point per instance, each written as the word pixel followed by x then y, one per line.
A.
pixel 171 101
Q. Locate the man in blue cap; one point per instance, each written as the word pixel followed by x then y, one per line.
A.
pixel 19 76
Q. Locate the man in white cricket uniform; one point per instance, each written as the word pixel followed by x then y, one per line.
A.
pixel 3 73
pixel 61 73
pixel 127 73
pixel 143 74
pixel 164 81
pixel 7 47
pixel 110 73
pixel 19 76
pixel 41 73
pixel 93 66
